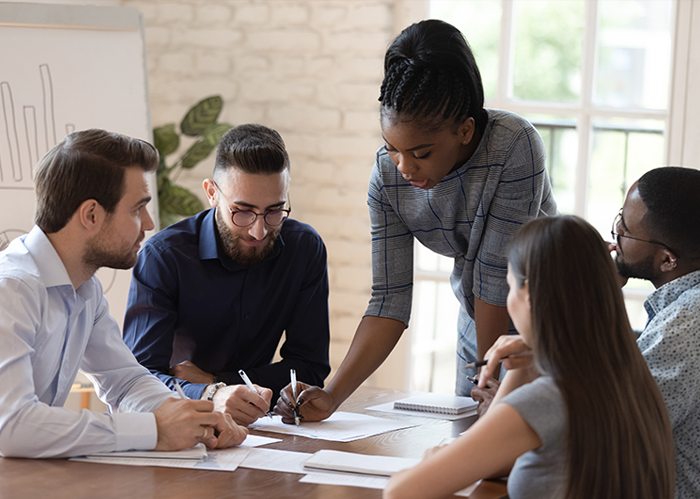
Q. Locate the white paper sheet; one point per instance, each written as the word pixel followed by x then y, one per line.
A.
pixel 276 460
pixel 196 453
pixel 333 460
pixel 221 460
pixel 257 441
pixel 368 482
pixel 389 407
pixel 340 427
pixel 348 479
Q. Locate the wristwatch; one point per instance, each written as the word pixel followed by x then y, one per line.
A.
pixel 213 389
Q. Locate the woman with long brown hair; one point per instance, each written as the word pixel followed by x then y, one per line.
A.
pixel 581 417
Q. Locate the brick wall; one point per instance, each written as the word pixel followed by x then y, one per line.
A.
pixel 311 69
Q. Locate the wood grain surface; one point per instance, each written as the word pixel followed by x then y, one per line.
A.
pixel 63 479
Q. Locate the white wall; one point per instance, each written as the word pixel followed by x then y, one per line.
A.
pixel 310 69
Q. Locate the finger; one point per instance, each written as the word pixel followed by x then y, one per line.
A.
pixel 231 434
pixel 518 362
pixel 286 394
pixel 266 395
pixel 198 405
pixel 260 401
pixel 308 394
pixel 284 408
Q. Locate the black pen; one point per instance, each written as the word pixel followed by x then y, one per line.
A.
pixel 480 363
pixel 476 364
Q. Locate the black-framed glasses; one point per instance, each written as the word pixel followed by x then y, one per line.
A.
pixel 617 235
pixel 244 218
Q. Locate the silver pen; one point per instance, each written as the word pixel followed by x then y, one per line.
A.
pixel 293 377
pixel 179 391
pixel 250 385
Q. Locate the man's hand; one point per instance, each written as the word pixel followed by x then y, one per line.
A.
pixel 485 395
pixel 511 346
pixel 241 403
pixel 189 372
pixel 315 404
pixel 622 280
pixel 184 423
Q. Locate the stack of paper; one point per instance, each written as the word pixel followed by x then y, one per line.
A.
pixel 437 403
pixel 334 460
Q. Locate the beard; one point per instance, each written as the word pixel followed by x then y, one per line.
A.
pixel 641 270
pixel 100 254
pixel 234 247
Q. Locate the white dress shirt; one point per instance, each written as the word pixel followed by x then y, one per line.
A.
pixel 48 331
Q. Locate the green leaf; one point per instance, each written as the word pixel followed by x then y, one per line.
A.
pixel 178 200
pixel 202 114
pixel 167 219
pixel 215 131
pixel 199 150
pixel 166 140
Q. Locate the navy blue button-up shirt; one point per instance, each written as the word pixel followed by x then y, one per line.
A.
pixel 189 301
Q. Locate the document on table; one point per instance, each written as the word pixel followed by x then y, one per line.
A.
pixel 276 460
pixel 220 459
pixel 340 427
pixel 196 457
pixel 389 407
pixel 334 460
pixel 196 453
pixel 368 482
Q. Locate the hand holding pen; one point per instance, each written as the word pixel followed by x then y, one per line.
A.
pixel 250 385
pixel 293 382
pixel 509 349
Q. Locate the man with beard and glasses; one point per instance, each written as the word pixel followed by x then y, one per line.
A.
pixel 91 197
pixel 214 293
pixel 657 238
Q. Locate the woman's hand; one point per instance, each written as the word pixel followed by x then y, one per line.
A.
pixel 511 346
pixel 313 403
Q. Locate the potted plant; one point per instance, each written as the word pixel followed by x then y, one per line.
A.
pixel 174 201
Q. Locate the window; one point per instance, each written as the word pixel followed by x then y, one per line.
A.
pixel 594 77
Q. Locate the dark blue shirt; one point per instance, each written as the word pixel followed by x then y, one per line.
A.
pixel 189 301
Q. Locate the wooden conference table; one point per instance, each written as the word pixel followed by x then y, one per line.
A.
pixel 63 479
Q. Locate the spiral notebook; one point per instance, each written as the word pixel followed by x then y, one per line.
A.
pixel 437 403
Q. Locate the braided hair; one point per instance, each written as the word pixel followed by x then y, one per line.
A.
pixel 430 75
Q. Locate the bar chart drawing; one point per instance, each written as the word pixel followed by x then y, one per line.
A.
pixel 65 68
pixel 16 162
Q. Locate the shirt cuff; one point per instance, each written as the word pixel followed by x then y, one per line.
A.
pixel 136 431
pixel 194 390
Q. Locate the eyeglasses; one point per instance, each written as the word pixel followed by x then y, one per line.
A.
pixel 244 218
pixel 617 235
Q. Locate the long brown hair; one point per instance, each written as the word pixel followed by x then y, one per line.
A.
pixel 619 435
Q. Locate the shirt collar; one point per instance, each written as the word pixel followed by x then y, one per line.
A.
pixel 670 292
pixel 48 263
pixel 210 249
pixel 51 268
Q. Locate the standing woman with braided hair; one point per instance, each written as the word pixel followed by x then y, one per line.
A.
pixel 459 178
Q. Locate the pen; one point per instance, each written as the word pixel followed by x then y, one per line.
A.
pixel 480 363
pixel 476 364
pixel 179 391
pixel 473 380
pixel 249 383
pixel 293 377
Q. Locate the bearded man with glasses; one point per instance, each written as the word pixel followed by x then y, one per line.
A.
pixel 657 238
pixel 214 293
